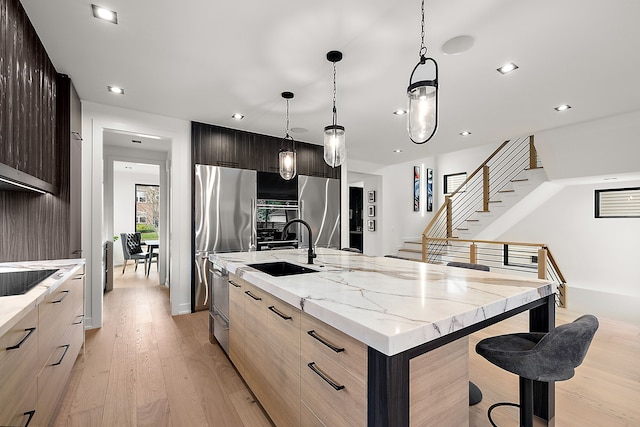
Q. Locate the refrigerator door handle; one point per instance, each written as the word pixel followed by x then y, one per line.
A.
pixel 253 238
pixel 206 279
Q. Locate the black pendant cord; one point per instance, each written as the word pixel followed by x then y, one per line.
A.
pixel 423 48
pixel 335 111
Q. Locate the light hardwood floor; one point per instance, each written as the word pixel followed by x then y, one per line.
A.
pixel 147 368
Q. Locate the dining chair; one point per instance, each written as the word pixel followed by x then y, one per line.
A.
pixel 131 249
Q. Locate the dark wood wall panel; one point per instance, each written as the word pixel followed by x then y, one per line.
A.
pixel 27 104
pixel 34 138
pixel 219 146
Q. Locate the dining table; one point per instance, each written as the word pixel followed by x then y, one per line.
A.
pixel 152 245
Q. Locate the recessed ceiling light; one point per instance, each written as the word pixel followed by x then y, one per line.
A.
pixel 237 116
pixel 115 89
pixel 465 133
pixel 562 107
pixel 397 150
pixel 400 112
pixel 104 14
pixel 507 68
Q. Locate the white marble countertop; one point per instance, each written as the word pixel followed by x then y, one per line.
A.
pixel 389 304
pixel 15 307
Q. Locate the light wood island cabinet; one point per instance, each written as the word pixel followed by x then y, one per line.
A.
pixel 290 360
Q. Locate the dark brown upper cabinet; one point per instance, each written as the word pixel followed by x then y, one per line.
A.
pixel 219 146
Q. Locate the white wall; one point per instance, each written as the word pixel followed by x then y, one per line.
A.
pixel 96 118
pixel 400 221
pixel 598 256
pixel 598 148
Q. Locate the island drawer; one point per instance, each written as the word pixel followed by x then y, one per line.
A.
pixel 318 337
pixel 333 394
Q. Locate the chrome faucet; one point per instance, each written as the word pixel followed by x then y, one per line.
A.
pixel 311 255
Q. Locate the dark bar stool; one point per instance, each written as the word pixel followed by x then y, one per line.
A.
pixel 475 394
pixel 539 356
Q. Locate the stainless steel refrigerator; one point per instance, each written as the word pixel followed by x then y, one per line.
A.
pixel 319 203
pixel 225 201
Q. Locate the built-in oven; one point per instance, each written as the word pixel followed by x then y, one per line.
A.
pixel 271 216
pixel 219 306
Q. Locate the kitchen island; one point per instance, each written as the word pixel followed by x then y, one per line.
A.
pixel 412 318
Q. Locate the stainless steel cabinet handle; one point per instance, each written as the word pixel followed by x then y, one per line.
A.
pixel 62 297
pixel 279 313
pixel 312 366
pixel 253 296
pixel 79 276
pixel 29 332
pixel 333 347
pixel 81 317
pixel 31 414
pixel 234 284
pixel 66 348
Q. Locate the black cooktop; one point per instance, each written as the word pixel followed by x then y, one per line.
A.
pixel 19 282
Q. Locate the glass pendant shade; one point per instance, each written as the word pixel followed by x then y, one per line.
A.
pixel 422 117
pixel 334 145
pixel 287 163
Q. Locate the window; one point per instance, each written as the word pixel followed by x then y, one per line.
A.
pixel 453 181
pixel 147 210
pixel 618 203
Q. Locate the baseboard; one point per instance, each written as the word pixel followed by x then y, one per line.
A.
pixel 607 305
pixel 184 308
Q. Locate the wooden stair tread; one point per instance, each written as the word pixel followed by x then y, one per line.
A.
pixel 495 201
pixel 415 251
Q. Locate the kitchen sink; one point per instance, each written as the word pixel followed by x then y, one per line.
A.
pixel 281 268
pixel 19 282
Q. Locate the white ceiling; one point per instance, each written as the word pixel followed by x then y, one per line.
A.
pixel 204 60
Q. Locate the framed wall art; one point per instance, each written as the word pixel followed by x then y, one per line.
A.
pixel 429 190
pixel 371 225
pixel 416 188
pixel 371 196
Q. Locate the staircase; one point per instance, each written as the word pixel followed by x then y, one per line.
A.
pixel 517 199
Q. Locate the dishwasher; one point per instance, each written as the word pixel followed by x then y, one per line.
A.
pixel 219 306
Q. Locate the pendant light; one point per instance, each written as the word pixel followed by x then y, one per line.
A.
pixel 334 148
pixel 287 157
pixel 422 119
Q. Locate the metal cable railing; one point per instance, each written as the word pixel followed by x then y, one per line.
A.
pixel 516 258
pixel 476 192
